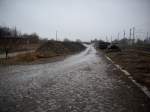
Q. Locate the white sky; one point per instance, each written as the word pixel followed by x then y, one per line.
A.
pixel 83 19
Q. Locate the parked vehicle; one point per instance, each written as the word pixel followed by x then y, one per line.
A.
pixel 103 45
pixel 113 48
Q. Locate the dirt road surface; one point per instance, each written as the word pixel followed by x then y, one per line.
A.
pixel 85 82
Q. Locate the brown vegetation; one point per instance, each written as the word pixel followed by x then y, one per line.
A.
pixel 49 49
pixel 12 40
pixel 136 62
pixel 55 48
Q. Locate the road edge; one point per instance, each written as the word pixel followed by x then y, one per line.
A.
pixel 143 88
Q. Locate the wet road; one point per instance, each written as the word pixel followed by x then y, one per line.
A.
pixel 84 82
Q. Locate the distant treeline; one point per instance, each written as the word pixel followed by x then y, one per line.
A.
pixel 9 35
pixel 6 32
pixel 12 40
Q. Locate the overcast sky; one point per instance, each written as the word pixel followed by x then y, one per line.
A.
pixel 83 19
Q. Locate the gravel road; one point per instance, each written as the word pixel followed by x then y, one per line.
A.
pixel 85 82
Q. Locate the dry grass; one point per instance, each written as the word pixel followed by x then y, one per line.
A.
pixel 136 62
pixel 27 57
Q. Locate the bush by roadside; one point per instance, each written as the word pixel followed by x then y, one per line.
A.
pixel 49 49
pixel 53 48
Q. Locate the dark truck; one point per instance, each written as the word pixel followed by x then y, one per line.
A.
pixel 102 44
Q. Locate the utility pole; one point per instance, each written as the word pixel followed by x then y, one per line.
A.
pixel 56 34
pixel 130 33
pixel 111 39
pixel 147 35
pixel 15 32
pixel 124 34
pixel 133 35
pixel 118 36
pixel 106 39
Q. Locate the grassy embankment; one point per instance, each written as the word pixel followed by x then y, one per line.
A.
pixel 136 62
pixel 50 49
